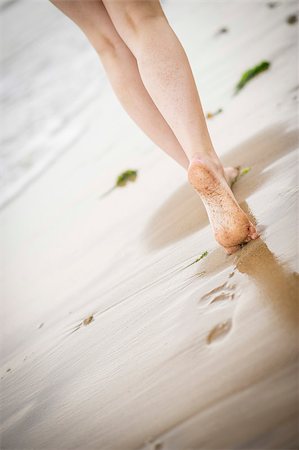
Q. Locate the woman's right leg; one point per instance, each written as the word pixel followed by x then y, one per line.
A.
pixel 121 67
pixel 167 76
pixel 124 74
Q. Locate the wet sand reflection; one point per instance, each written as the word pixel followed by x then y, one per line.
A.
pixel 277 283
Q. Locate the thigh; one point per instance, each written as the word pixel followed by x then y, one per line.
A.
pixel 92 17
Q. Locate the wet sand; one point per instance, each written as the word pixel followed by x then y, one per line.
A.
pixel 109 340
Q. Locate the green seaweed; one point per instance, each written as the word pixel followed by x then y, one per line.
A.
pixel 251 73
pixel 292 19
pixel 203 255
pixel 122 180
pixel 242 172
pixel 211 115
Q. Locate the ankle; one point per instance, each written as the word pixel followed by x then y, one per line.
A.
pixel 210 158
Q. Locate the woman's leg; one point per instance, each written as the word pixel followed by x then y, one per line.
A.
pixel 164 69
pixel 124 75
pixel 121 67
pixel 167 76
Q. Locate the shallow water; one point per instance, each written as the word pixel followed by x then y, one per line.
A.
pixel 45 108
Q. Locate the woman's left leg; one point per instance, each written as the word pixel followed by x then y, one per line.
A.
pixel 121 68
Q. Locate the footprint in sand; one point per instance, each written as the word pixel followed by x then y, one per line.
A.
pixel 219 331
pixel 221 295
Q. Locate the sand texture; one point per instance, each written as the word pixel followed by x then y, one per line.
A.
pixel 111 338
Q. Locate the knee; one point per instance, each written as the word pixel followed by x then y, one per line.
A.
pixel 140 18
pixel 139 14
pixel 106 44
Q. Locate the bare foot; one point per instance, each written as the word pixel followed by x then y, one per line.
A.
pixel 231 225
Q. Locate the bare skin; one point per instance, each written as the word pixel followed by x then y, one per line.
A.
pixel 156 87
pixel 230 224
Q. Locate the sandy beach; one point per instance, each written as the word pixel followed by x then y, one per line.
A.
pixel 111 338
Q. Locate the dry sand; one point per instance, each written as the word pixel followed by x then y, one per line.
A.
pixel 203 357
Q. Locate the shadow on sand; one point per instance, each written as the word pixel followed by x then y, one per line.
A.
pixel 183 213
pixel 276 283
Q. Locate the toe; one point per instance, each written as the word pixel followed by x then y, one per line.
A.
pixel 253 234
pixel 231 175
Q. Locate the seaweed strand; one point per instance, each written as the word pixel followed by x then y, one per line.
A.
pixel 251 73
